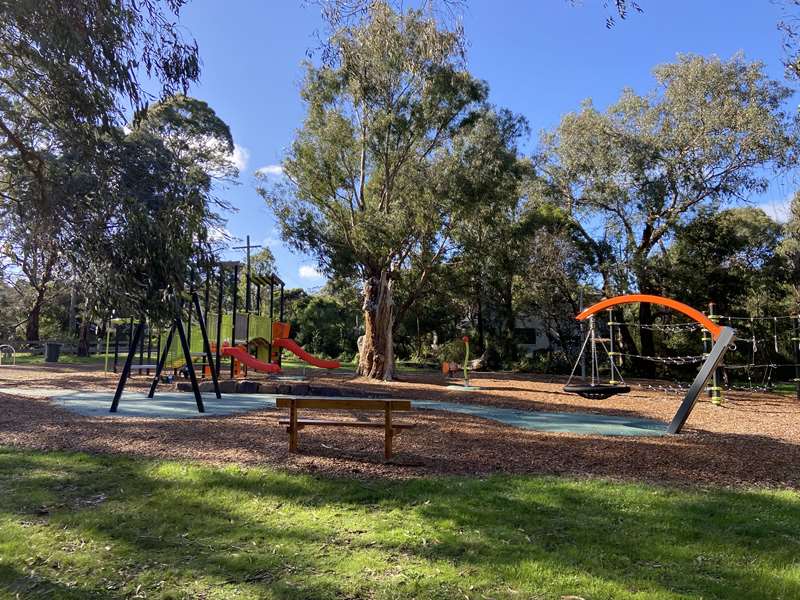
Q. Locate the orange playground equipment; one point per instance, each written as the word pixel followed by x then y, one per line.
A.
pixel 594 388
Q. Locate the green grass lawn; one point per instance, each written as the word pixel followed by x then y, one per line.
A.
pixel 26 358
pixel 80 526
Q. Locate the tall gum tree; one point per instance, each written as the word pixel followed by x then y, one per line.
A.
pixel 707 135
pixel 359 191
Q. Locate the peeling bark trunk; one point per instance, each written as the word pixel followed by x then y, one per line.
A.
pixel 32 326
pixel 376 359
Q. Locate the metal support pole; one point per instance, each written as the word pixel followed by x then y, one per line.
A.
pixel 716 388
pixel 189 312
pixel 206 344
pixel 126 370
pixel 796 345
pixel 594 350
pixel 158 345
pixel 271 310
pixel 235 296
pixel 706 339
pixel 220 296
pixel 247 280
pixel 206 304
pixel 725 339
pixel 282 306
pixel 611 353
pixel 583 333
pixel 189 364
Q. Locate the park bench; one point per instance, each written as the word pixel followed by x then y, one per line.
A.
pixel 385 405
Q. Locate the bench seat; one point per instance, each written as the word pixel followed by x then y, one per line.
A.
pixel 332 423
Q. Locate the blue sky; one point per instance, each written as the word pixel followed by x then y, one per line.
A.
pixel 540 59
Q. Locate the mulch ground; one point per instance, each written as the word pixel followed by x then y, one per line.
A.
pixel 753 440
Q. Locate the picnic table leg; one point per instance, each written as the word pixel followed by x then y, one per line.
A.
pixel 387 443
pixel 293 427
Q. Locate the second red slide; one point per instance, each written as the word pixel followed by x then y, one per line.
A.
pixel 295 349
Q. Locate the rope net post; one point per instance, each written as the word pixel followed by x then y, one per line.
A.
pixel 715 391
pixel 796 347
pixel 612 354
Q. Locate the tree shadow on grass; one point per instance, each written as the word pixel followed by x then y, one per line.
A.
pixel 308 537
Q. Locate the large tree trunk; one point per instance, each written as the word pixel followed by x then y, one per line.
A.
pixel 83 338
pixel 32 326
pixel 376 359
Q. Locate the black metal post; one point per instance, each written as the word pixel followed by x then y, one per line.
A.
pixel 189 312
pixel 726 337
pixel 162 360
pixel 158 345
pixel 235 297
pixel 206 304
pixel 247 285
pixel 220 296
pixel 258 298
pixel 126 370
pixel 189 364
pixel 282 303
pixel 281 312
pixel 206 344
pixel 271 310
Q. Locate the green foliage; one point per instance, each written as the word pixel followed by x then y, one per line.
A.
pixel 78 526
pixel 703 137
pixel 322 324
pixel 729 257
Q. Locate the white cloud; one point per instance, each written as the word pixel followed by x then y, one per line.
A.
pixel 777 209
pixel 219 234
pixel 308 272
pixel 270 171
pixel 240 157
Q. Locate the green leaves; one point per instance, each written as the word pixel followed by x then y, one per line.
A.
pixel 702 137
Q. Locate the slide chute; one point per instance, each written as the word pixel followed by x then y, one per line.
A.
pixel 249 361
pixel 295 349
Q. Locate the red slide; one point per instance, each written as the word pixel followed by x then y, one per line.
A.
pixel 292 347
pixel 251 362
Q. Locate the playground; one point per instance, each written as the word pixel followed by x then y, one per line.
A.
pixel 752 440
pixel 388 300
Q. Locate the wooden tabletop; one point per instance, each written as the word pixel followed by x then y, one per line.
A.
pixel 352 403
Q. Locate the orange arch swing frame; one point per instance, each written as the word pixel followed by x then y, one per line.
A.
pixel 680 307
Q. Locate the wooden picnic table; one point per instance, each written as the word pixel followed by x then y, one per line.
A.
pixel 385 405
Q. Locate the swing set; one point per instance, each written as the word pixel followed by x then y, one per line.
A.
pixel 596 389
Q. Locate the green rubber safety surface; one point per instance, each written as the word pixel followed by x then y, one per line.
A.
pixel 181 405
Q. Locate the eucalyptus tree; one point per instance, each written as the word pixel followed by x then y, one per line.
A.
pixel 790 250
pixel 707 135
pixel 360 176
pixel 161 206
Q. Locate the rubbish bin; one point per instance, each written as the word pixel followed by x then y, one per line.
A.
pixel 52 350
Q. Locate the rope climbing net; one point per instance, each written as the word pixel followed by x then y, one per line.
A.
pixel 767 350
